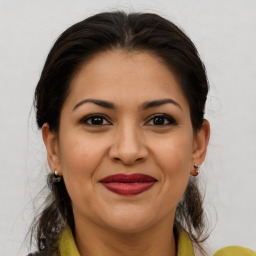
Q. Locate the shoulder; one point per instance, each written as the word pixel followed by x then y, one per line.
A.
pixel 235 251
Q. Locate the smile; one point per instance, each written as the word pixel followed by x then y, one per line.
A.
pixel 128 185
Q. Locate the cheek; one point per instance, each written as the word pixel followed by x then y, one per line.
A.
pixel 174 153
pixel 80 157
pixel 174 159
pixel 80 154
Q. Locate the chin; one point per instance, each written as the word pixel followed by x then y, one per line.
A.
pixel 129 220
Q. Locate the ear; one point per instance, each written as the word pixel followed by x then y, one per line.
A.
pixel 201 139
pixel 51 143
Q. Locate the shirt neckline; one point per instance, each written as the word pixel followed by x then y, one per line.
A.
pixel 67 245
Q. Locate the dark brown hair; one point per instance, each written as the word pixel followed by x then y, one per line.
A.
pixel 129 32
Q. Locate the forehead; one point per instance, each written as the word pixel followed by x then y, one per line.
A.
pixel 125 77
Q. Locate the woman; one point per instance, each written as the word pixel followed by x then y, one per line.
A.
pixel 121 103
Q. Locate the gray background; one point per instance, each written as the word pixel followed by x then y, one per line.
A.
pixel 225 35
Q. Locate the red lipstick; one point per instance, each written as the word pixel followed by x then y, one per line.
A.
pixel 128 185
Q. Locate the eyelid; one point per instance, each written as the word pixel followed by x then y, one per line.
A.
pixel 171 120
pixel 88 117
pixel 84 120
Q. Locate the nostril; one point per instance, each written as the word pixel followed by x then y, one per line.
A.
pixel 127 162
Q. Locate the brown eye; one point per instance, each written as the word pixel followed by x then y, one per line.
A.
pixel 95 120
pixel 161 120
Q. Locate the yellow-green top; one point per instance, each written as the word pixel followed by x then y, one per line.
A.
pixel 68 247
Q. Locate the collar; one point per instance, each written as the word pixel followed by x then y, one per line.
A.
pixel 68 247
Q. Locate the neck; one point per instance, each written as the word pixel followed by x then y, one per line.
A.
pixel 93 240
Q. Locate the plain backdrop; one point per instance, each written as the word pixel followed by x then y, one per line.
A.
pixel 225 35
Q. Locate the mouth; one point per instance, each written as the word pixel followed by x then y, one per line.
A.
pixel 128 185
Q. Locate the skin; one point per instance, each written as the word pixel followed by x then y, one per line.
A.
pixel 127 141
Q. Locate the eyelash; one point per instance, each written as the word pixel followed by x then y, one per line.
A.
pixel 171 120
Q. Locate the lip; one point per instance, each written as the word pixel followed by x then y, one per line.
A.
pixel 128 185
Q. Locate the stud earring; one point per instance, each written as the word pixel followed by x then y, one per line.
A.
pixel 197 166
pixel 56 177
pixel 195 172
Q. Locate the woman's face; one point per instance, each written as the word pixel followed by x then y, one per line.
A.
pixel 125 145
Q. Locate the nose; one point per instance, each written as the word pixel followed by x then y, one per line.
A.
pixel 129 146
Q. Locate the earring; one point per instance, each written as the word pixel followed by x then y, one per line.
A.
pixel 56 177
pixel 195 172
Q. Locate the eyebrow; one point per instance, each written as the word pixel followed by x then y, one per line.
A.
pixel 102 103
pixel 146 105
pixel 156 103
